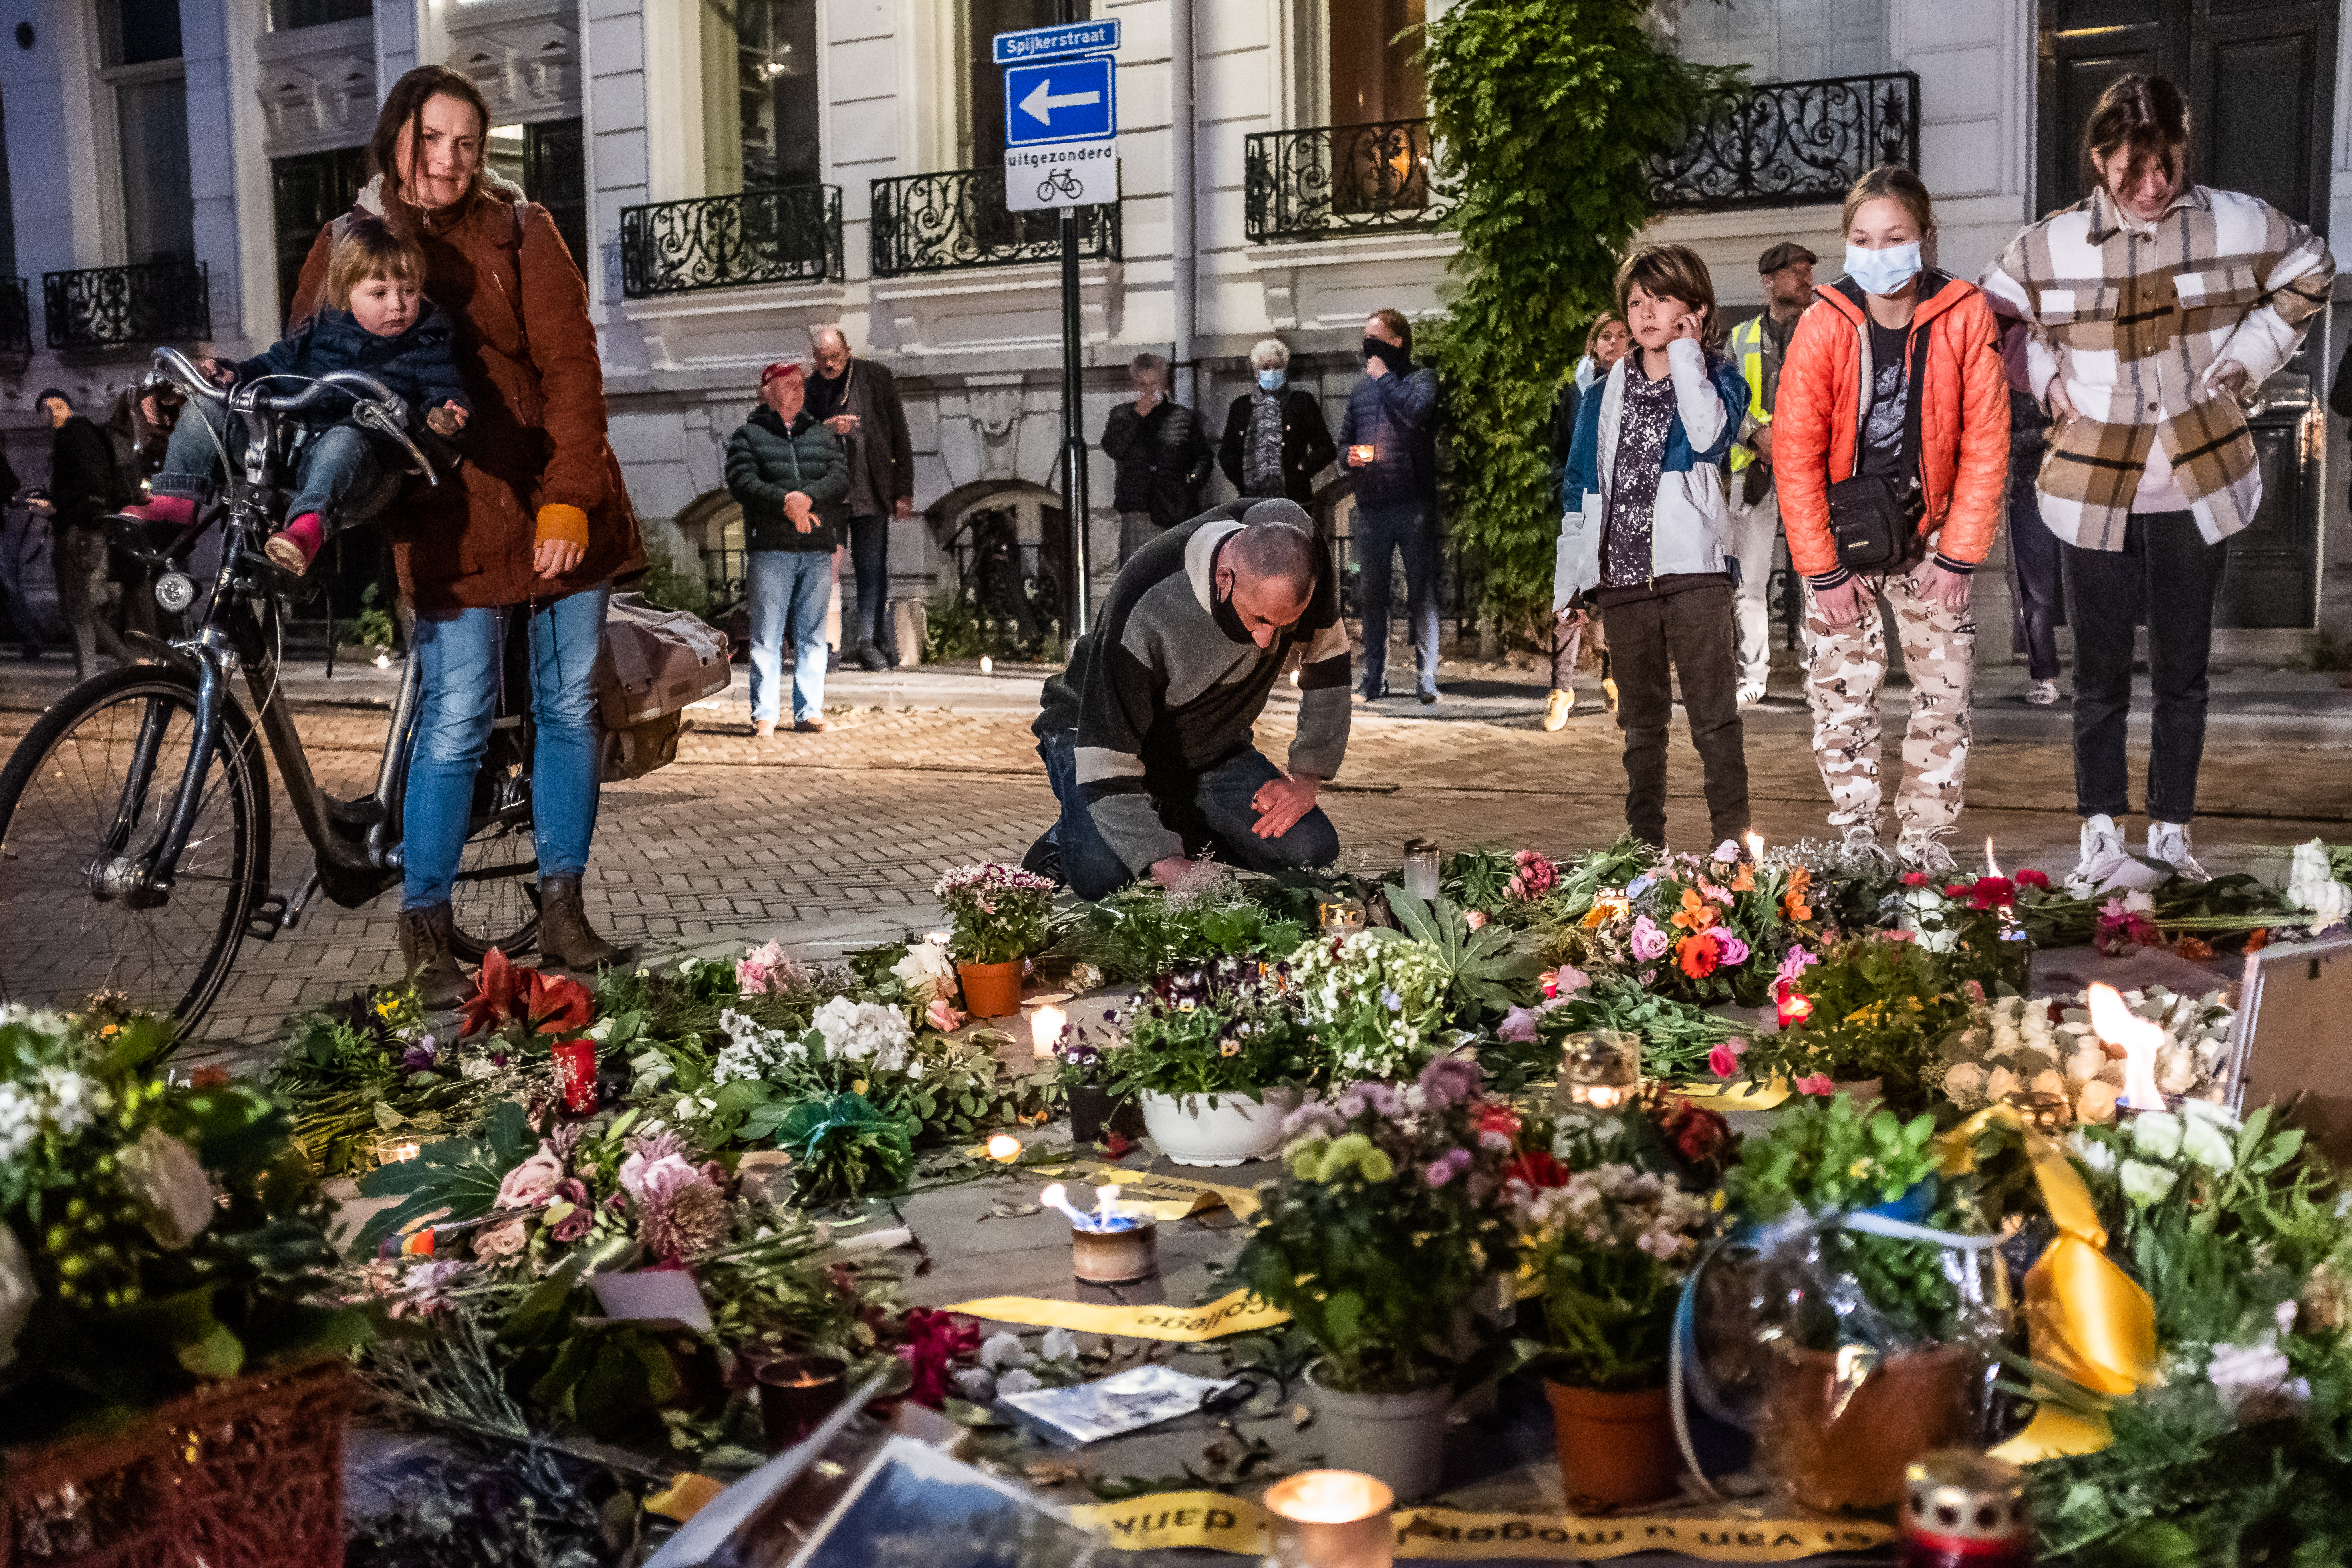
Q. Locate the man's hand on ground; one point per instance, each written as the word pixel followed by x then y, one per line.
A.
pixel 1172 872
pixel 1280 803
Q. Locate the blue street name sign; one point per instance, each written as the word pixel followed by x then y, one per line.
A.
pixel 1065 100
pixel 1067 38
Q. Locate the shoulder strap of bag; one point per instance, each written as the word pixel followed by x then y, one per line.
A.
pixel 1914 402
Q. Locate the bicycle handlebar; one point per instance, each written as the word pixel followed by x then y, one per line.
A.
pixel 178 369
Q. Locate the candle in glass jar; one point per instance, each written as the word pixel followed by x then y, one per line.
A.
pixel 1045 1025
pixel 1795 1009
pixel 1421 869
pixel 1599 1071
pixel 1330 1518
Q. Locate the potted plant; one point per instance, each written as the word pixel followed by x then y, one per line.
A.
pixel 1389 1223
pixel 999 917
pixel 1216 1057
pixel 1083 1070
pixel 1871 1371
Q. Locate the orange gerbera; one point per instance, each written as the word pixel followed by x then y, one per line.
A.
pixel 1792 902
pixel 1699 954
pixel 1696 914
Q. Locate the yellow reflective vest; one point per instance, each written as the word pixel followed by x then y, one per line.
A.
pixel 1747 347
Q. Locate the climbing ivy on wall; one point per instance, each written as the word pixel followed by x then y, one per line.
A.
pixel 1549 112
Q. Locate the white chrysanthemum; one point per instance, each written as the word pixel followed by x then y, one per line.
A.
pixel 864 1032
pixel 752 1051
pixel 927 971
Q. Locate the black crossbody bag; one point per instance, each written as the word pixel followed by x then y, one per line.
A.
pixel 1874 518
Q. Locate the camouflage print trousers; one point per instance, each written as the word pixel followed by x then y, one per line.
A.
pixel 1844 669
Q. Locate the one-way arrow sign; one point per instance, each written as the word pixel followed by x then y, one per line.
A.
pixel 1060 101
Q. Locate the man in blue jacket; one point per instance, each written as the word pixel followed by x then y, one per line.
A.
pixel 1389 437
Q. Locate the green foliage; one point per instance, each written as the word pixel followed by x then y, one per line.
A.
pixel 459 1175
pixel 373 626
pixel 1484 970
pixel 1675 1035
pixel 1143 932
pixel 1882 1009
pixel 843 1147
pixel 1218 1030
pixel 674 587
pixel 1549 111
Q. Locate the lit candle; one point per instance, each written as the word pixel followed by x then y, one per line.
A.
pixel 987 664
pixel 1046 1026
pixel 1795 1009
pixel 1755 846
pixel 401 1153
pixel 1992 867
pixel 1004 1148
pixel 1599 1071
pixel 2138 1038
pixel 1330 1518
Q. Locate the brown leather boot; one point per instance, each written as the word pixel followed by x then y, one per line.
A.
pixel 565 937
pixel 432 964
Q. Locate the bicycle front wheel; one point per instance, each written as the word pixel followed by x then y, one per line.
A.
pixel 83 798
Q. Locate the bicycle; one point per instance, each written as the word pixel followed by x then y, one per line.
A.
pixel 135 815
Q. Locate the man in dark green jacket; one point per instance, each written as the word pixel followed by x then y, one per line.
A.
pixel 784 468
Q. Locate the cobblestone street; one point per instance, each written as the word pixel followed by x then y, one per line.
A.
pixel 835 840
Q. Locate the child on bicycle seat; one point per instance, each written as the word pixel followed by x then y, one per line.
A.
pixel 376 320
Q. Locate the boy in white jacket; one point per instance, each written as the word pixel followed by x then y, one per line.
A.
pixel 1646 531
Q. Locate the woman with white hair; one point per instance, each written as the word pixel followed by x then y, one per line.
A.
pixel 1275 440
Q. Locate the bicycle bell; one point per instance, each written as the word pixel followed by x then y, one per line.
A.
pixel 174 590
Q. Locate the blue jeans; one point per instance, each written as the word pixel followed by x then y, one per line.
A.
pixel 790 589
pixel 1211 810
pixel 338 476
pixel 1382 530
pixel 459 652
pixel 869 557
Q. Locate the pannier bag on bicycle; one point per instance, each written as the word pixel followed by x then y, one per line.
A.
pixel 654 662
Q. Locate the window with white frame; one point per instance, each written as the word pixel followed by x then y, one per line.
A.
pixel 1787 40
pixel 140 46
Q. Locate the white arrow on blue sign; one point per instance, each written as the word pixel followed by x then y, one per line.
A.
pixel 1062 101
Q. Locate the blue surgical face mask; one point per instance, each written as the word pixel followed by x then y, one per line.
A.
pixel 1882 271
pixel 1270 379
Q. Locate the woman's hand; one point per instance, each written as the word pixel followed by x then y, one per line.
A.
pixel 1948 589
pixel 554 557
pixel 1843 605
pixel 2061 407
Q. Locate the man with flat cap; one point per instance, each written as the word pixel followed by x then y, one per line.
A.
pixel 1758 345
pixel 1148 736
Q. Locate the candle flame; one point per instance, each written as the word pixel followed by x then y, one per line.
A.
pixel 1004 1147
pixel 987 664
pixel 1992 867
pixel 1329 1497
pixel 1106 1200
pixel 1755 846
pixel 1057 1196
pixel 2115 1025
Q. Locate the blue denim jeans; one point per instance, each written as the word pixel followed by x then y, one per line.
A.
pixel 339 475
pixel 459 652
pixel 790 590
pixel 869 557
pixel 1382 531
pixel 1211 810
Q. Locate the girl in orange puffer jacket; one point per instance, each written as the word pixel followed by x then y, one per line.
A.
pixel 1891 335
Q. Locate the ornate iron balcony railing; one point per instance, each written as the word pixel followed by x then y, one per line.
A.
pixel 1331 180
pixel 16 325
pixel 1784 143
pixel 128 307
pixel 937 223
pixel 791 233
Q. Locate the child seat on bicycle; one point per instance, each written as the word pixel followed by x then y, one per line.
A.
pixel 376 320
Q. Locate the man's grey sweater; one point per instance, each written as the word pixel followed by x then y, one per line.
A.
pixel 1168 685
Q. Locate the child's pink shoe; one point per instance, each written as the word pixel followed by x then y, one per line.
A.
pixel 295 545
pixel 178 510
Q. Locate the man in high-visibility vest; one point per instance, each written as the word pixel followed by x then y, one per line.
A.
pixel 1756 346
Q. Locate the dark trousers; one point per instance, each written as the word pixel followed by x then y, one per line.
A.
pixel 2033 576
pixel 2167 569
pixel 1209 811
pixel 869 559
pixel 1691 632
pixel 1382 531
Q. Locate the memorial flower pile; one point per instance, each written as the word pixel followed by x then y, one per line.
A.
pixel 1372 999
pixel 1231 1027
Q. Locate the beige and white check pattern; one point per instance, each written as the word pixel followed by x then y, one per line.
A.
pixel 2137 323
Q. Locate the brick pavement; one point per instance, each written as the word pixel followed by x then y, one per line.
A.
pixel 837 839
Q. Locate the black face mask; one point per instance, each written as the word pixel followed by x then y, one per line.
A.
pixel 1389 355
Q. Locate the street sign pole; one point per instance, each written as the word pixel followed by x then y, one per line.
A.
pixel 1074 426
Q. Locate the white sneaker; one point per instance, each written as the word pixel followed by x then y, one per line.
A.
pixel 2103 857
pixel 2169 842
pixel 2041 693
pixel 1751 692
pixel 1924 852
pixel 1862 838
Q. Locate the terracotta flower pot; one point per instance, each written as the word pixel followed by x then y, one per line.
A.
pixel 1615 1449
pixel 1909 1406
pixel 991 990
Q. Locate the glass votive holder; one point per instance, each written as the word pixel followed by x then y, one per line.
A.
pixel 1421 869
pixel 1330 1519
pixel 1600 1070
pixel 796 1393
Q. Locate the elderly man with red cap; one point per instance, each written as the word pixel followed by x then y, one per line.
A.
pixel 784 467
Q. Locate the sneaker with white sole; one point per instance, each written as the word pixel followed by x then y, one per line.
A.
pixel 2103 857
pixel 1862 838
pixel 1751 692
pixel 1558 707
pixel 2169 842
pixel 1923 852
pixel 2041 693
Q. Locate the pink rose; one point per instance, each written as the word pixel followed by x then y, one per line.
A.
pixel 1649 942
pixel 530 1184
pixel 1730 951
pixel 1724 1060
pixel 943 1017
pixel 502 1240
pixel 1518 1023
pixel 1476 919
pixel 1815 1083
pixel 1567 980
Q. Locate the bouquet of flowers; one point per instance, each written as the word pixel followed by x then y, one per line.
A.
pixel 1372 999
pixel 999 912
pixel 1878 1005
pixel 2047 1045
pixel 1376 1175
pixel 1609 1247
pixel 1513 888
pixel 152 1236
pixel 1705 928
pixel 1228 1028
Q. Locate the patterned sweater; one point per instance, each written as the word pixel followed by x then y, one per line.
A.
pixel 2138 324
pixel 1168 685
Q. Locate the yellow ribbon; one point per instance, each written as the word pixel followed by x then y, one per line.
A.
pixel 1733 1094
pixel 1196 1518
pixel 687 1495
pixel 2088 1322
pixel 1160 1196
pixel 1238 1313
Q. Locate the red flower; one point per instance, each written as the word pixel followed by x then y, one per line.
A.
pixel 524 1001
pixel 2038 881
pixel 1499 1119
pixel 1699 954
pixel 1537 1168
pixel 935 1341
pixel 1915 878
pixel 1956 890
pixel 1989 893
pixel 1114 1142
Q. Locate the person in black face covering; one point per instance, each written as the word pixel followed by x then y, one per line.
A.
pixel 1389 438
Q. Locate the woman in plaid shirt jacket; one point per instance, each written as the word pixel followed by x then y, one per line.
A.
pixel 2153 305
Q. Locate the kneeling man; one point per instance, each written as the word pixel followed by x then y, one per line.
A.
pixel 1147 737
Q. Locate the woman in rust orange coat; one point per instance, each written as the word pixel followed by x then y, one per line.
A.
pixel 536 520
pixel 1893 393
